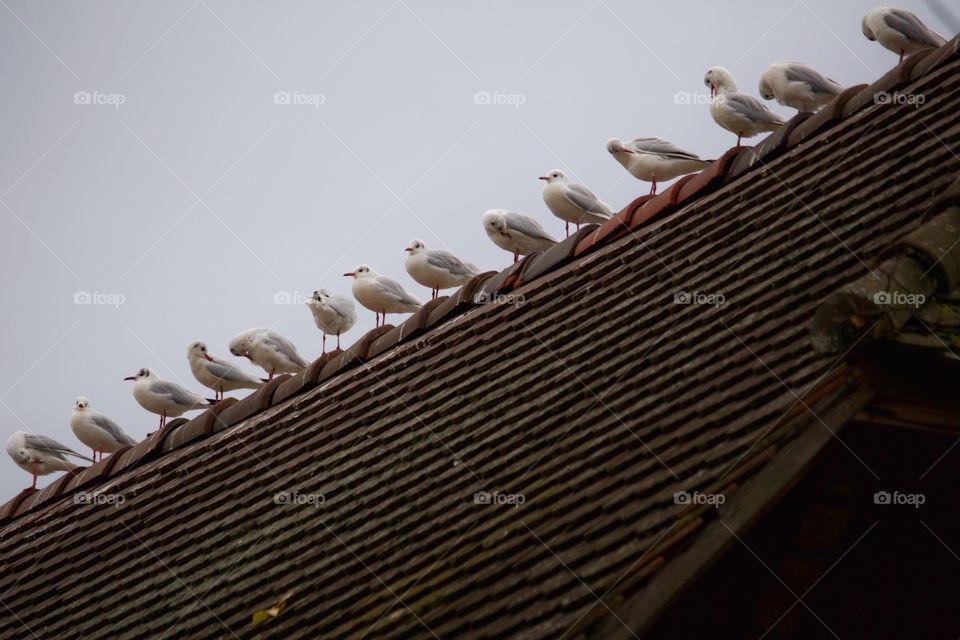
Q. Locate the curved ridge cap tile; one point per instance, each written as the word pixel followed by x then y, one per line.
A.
pixel 312 373
pixel 828 115
pixel 157 437
pixel 49 493
pixel 768 149
pixel 10 507
pixel 496 283
pixel 294 385
pixel 551 259
pixel 937 58
pixel 417 322
pixel 203 425
pixel 354 355
pixel 710 179
pixel 579 237
pixel 94 473
pixel 528 266
pixel 387 341
pixel 129 456
pixel 885 84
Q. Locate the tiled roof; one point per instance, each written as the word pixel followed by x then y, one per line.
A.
pixel 595 393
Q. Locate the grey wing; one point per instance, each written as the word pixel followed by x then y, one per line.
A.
pixel 751 108
pixel 285 347
pixel 229 373
pixel 527 226
pixel 51 446
pixel 911 26
pixel 661 147
pixel 582 197
pixel 817 82
pixel 393 287
pixel 450 263
pixel 113 429
pixel 177 393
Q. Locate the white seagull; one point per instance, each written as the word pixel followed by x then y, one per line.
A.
pixel 381 294
pixel 216 374
pixel 168 399
pixel 735 111
pixel 40 455
pixel 333 314
pixel 654 159
pixel 572 202
pixel 436 268
pixel 96 430
pixel 268 350
pixel 516 232
pixel 899 30
pixel 797 85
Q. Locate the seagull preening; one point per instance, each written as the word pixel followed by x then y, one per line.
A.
pixel 654 159
pixel 516 232
pixel 40 455
pixel 572 202
pixel 794 84
pixel 899 30
pixel 737 112
pixel 168 399
pixel 333 314
pixel 381 294
pixel 96 430
pixel 268 350
pixel 216 374
pixel 436 268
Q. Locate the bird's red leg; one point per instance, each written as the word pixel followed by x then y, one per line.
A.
pixel 739 135
pixel 338 340
pixel 516 255
pixel 653 187
pixel 568 229
pixel 901 55
pixel 324 350
pixel 578 226
pixel 34 467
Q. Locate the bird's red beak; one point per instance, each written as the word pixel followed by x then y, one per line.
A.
pixel 543 178
pixel 629 151
pixel 713 91
pixel 408 249
pixel 207 356
pixel 351 274
pixel 131 378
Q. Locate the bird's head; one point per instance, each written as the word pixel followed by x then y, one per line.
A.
pixel 554 176
pixel 415 247
pixel 143 374
pixel 616 146
pixel 80 404
pixel 719 80
pixel 363 271
pixel 198 351
pixel 495 222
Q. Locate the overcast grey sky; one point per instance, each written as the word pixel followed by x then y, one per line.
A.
pixel 184 187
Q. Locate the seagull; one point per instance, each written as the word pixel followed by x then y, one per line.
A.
pixel 269 350
pixel 652 159
pixel 899 30
pixel 217 374
pixel 797 85
pixel 735 111
pixel 572 202
pixel 436 268
pixel 516 232
pixel 96 430
pixel 166 398
pixel 381 294
pixel 40 455
pixel 333 314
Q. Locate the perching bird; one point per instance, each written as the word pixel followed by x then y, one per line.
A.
pixel 168 399
pixel 516 232
pixel 899 30
pixel 436 268
pixel 96 430
pixel 654 159
pixel 333 314
pixel 735 111
pixel 217 374
pixel 40 455
pixel 381 294
pixel 572 202
pixel 797 85
pixel 268 350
